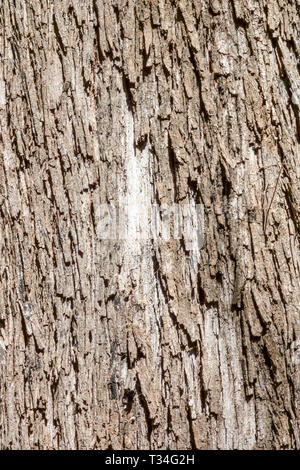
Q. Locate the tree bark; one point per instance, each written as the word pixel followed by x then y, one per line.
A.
pixel 131 344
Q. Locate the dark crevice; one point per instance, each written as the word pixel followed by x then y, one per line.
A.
pixel 145 407
pixel 173 168
pixel 96 11
pixel 58 36
pixel 127 85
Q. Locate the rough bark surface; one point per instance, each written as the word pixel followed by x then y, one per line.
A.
pixel 130 345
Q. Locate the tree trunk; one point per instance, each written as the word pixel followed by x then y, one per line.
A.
pixel 117 342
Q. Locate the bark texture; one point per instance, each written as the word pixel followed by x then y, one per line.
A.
pixel 130 345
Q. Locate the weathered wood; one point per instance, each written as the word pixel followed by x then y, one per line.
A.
pixel 130 344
